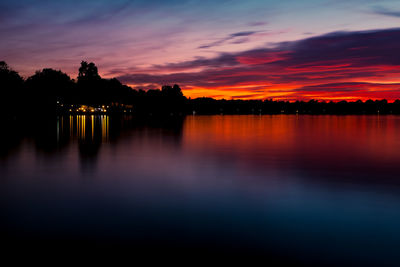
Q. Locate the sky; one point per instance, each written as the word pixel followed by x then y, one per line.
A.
pixel 232 49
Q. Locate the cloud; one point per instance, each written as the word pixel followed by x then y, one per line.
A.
pixel 359 63
pixel 237 34
pixel 221 61
pixel 257 23
pixel 228 38
pixel 386 12
pixel 362 90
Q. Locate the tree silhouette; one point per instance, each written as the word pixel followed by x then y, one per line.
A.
pixel 88 71
pixel 94 90
pixel 90 86
pixel 11 89
pixel 48 89
pixel 173 99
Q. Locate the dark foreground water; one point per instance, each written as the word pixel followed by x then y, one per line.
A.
pixel 298 189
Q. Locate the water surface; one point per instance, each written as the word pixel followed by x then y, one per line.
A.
pixel 322 189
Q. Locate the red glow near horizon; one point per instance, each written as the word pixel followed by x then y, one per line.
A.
pixel 350 66
pixel 323 82
pixel 341 66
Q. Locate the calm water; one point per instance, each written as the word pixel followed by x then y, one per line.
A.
pixel 308 188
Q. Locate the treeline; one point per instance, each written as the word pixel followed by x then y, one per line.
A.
pixel 212 106
pixel 51 91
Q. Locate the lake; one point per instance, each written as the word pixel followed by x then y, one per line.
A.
pixel 300 189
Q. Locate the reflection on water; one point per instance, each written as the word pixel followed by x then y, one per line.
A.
pixel 341 147
pixel 84 127
pixel 302 188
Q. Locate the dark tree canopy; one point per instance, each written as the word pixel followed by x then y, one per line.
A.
pixel 9 78
pixel 53 82
pixel 88 71
pixel 48 86
pixel 11 88
pixel 94 90
pixel 172 91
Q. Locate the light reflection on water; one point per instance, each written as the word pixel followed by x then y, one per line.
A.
pixel 83 127
pixel 295 185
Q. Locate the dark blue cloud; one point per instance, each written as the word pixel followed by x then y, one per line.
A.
pixel 257 23
pixel 228 38
pixel 386 12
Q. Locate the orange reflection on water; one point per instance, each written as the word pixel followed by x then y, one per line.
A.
pixel 347 141
pixel 239 131
pixel 84 127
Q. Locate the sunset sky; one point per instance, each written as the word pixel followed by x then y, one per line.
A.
pixel 254 49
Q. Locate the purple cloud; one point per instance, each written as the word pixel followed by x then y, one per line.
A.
pixel 348 58
pixel 228 38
